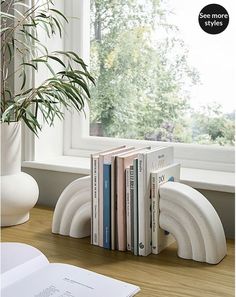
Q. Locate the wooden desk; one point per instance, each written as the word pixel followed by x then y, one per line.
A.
pixel 162 275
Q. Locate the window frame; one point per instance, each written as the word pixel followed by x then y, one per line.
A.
pixel 78 142
pixel 73 136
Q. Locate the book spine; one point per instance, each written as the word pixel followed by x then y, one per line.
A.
pixel 95 200
pixel 91 191
pixel 148 213
pixel 141 206
pixel 128 210
pixel 136 210
pixel 132 206
pixel 107 206
pixel 100 201
pixel 121 213
pixel 155 210
pixel 113 203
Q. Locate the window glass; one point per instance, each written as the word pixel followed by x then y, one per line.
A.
pixel 159 76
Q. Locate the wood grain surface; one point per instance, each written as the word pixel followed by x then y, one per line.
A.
pixel 157 275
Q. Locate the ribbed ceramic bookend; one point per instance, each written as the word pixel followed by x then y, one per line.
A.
pixel 184 212
pixel 189 216
pixel 72 215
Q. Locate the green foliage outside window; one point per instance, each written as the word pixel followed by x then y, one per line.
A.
pixel 143 82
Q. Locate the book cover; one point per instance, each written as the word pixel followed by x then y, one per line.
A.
pixel 107 206
pixel 147 162
pixel 160 238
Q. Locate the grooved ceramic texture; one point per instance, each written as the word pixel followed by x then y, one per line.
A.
pixel 72 214
pixel 193 221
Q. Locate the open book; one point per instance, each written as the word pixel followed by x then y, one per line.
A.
pixel 25 271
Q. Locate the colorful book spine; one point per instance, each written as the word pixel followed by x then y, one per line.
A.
pixel 128 208
pixel 121 212
pixel 123 162
pixel 114 238
pixel 104 158
pixel 107 206
pixel 113 204
pixel 94 200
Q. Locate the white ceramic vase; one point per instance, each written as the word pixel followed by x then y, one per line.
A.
pixel 19 191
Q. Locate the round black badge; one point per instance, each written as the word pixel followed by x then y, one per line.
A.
pixel 213 18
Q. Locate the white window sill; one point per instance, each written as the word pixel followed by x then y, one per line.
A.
pixel 197 178
pixel 80 165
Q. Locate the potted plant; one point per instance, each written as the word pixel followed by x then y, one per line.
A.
pixel 23 52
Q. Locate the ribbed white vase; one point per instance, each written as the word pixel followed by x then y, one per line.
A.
pixel 19 191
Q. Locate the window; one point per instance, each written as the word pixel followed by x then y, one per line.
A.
pixel 83 136
pixel 80 140
pixel 159 76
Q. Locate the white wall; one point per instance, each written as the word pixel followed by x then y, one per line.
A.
pixel 51 184
pixel 224 205
pixel 50 141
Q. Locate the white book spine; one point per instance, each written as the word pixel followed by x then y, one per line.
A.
pixel 95 200
pixel 135 209
pixel 131 186
pixel 128 208
pixel 91 191
pixel 155 211
pixel 141 206
pixel 100 200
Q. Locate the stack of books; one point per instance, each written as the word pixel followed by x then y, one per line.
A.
pixel 125 198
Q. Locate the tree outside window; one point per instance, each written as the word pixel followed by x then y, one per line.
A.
pixel 144 78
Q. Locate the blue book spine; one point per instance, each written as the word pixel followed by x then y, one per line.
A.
pixel 107 206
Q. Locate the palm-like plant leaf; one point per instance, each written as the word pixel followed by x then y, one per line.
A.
pixel 66 88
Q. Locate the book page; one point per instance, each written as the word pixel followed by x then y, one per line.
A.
pixel 62 280
pixel 18 260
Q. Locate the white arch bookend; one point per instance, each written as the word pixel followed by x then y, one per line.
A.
pixel 75 196
pixel 189 216
pixel 73 205
pixel 81 222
